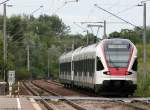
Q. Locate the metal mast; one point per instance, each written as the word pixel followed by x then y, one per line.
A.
pixel 4 42
pixel 144 42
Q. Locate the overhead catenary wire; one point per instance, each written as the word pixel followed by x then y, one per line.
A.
pixel 64 4
pixel 116 16
pixel 124 10
pixel 4 2
pixel 37 9
pixel 59 8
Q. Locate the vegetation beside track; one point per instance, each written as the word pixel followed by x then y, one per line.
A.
pixel 49 33
pixel 143 83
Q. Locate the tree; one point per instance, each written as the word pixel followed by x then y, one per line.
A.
pixel 114 35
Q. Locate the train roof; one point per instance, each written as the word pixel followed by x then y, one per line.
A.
pixel 87 51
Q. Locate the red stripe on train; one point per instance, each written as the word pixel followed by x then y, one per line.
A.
pixel 118 71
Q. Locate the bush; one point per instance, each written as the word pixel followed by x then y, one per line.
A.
pixel 22 73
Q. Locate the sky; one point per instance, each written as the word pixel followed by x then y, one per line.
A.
pixel 72 12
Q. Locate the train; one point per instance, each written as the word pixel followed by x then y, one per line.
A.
pixel 109 66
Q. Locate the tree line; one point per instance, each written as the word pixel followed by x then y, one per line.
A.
pixel 45 34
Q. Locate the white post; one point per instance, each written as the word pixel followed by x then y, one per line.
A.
pixel 10 90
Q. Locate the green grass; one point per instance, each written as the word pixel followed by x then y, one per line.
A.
pixel 143 83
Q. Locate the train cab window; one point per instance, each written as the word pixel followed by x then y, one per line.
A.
pixel 99 64
pixel 134 67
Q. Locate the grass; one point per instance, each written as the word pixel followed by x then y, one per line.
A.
pixel 143 83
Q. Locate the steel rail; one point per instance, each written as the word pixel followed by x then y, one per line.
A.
pixel 80 108
pixel 42 100
pixel 61 85
pixel 54 82
pixel 24 87
pixel 131 105
pixel 76 106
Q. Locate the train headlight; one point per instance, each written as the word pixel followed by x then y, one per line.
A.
pixel 128 73
pixel 107 72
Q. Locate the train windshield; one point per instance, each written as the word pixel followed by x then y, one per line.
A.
pixel 117 53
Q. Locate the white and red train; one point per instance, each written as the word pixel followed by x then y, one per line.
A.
pixel 109 65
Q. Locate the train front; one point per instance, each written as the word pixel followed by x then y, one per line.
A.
pixel 121 60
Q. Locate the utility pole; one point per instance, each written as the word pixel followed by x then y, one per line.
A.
pixel 105 36
pixel 73 44
pixel 87 38
pixel 48 63
pixel 144 42
pixel 28 58
pixel 143 3
pixel 4 42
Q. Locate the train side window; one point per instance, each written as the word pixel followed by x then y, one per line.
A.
pixel 99 64
pixel 77 64
pixel 72 65
pixel 69 67
pixel 90 67
pixel 134 67
pixel 75 68
pixel 93 66
pixel 86 65
pixel 81 65
pixel 60 67
pixel 63 67
pixel 66 67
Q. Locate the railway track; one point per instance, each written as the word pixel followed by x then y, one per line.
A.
pixel 68 104
pixel 50 105
pixel 59 89
pixel 33 92
pixel 80 92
